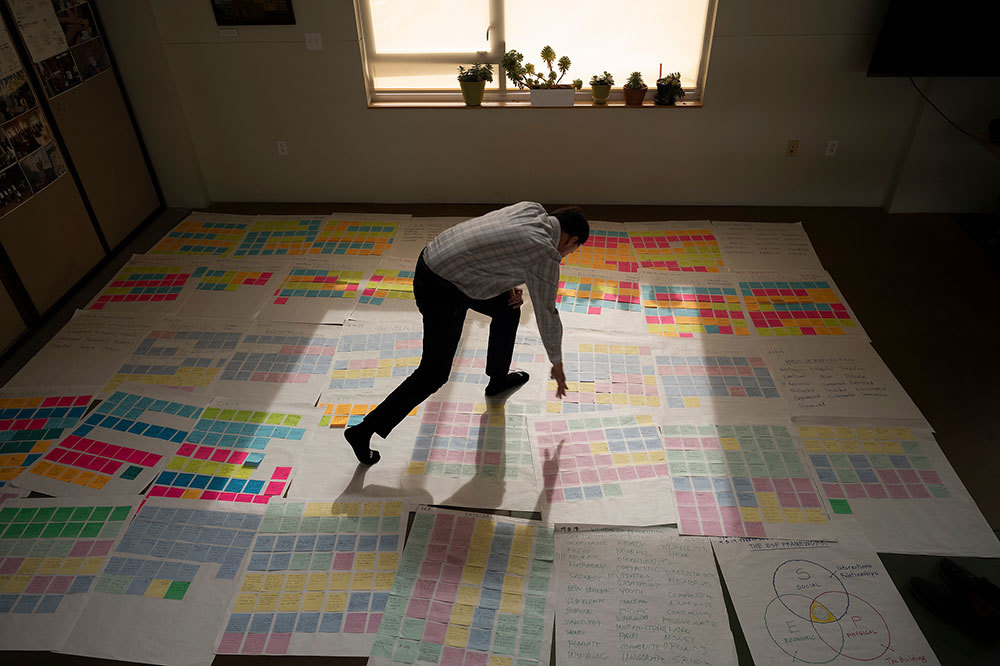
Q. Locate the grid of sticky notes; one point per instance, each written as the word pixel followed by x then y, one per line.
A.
pixel 385 284
pixel 461 442
pixel 607 376
pixel 84 457
pixel 221 454
pixel 354 238
pixel 682 311
pixel 870 463
pixel 29 425
pixel 689 378
pixel 688 250
pixel 375 360
pixel 347 414
pixel 795 308
pixel 184 534
pixel 280 359
pixel 605 250
pixel 589 457
pixel 201 237
pixel 183 359
pixel 315 567
pixel 47 552
pixel 737 480
pixel 318 283
pixel 146 577
pixel 471 589
pixel 225 280
pixel 592 295
pixel 469 364
pixel 141 284
pixel 275 238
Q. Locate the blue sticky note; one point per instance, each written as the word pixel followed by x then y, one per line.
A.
pixel 81 584
pixel 284 543
pixel 367 543
pixel 325 543
pixel 483 617
pixel 261 623
pixel 198 553
pixel 345 542
pixel 280 561
pixel 358 602
pixel 238 623
pixel 49 603
pixel 180 551
pixel 493 580
pixel 479 639
pixel 139 585
pixel 253 460
pixel 284 623
pixel 490 599
pixel 27 603
pixel 307 623
pixel 259 561
pixel 242 539
pixel 169 570
pixel 331 622
pixel 379 600
pixel 305 543
pixel 187 572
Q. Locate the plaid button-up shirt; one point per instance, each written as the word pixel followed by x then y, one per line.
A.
pixel 488 255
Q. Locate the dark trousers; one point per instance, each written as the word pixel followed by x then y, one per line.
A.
pixel 443 307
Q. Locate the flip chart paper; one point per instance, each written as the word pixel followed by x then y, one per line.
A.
pixel 753 246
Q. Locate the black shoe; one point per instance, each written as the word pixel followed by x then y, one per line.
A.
pixel 954 608
pixel 511 381
pixel 359 438
pixel 967 583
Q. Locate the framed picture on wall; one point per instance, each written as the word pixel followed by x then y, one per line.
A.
pixel 253 12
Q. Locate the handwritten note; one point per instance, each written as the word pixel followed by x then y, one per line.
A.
pixel 638 595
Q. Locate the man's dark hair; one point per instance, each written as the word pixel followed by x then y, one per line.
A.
pixel 573 222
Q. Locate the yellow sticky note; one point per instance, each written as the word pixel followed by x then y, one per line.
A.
pixel 290 602
pixel 91 566
pixel 352 509
pixel 312 601
pixel 295 583
pixel 388 561
pixel 372 509
pixel 513 585
pixel 364 561
pixel 30 566
pixel 362 580
pixel 812 445
pixel 815 516
pixel 750 514
pixel 245 603
pixel 510 603
pixel 473 575
pixel 274 582
pixel 314 509
pixel 477 558
pixel 793 515
pixel 17 584
pixel 252 582
pixel 317 581
pixel 51 565
pixel 393 508
pixel 340 581
pixel 729 443
pixel 521 546
pixel 268 601
pixel 772 514
pixel 497 660
pixel 462 614
pixel 456 636
pixel 336 602
pixel 518 565
pixel 384 580
pixel 158 588
pixel 468 596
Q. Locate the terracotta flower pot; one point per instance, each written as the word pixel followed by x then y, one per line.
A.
pixel 634 96
pixel 472 92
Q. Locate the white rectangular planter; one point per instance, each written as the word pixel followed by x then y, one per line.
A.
pixel 552 96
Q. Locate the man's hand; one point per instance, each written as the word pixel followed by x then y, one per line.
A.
pixel 560 377
pixel 516 297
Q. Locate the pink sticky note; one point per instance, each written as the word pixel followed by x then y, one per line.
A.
pixel 917 491
pixel 855 490
pixel 435 632
pixel 418 608
pixel 60 584
pixel 810 500
pixel 281 473
pixel 712 528
pixel 102 547
pixel 150 459
pixel 230 643
pixel 446 592
pixel 246 498
pixel 275 488
pixel 374 620
pixel 254 644
pixel 220 455
pixel 430 570
pixel 343 561
pixel 896 491
pixel 929 476
pixel 278 643
pixel 227 497
pixel 690 525
pixel 755 529
pixel 473 658
pixel 909 476
pixel 202 453
pixel 452 656
pixel 687 514
pixel 186 450
pixel 174 492
pixel 875 491
pixel 833 490
pixel 439 612
pixel 81 548
pixel 136 456
pixel 38 585
pixel 354 623
pixel 424 589
pixel 237 457
pixel 451 573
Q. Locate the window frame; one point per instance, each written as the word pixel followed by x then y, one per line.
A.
pixel 497 42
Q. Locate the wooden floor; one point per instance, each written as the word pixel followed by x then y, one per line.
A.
pixel 925 291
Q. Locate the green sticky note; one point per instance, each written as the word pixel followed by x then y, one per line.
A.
pixel 847 476
pixel 938 490
pixel 300 561
pixel 227 414
pixel 211 413
pixel 292 420
pixel 101 513
pixel 504 642
pixel 321 562
pixel 25 515
pixel 177 590
pixel 258 417
pixel 44 514
pixel 243 415
pixel 289 524
pixel 390 624
pixel 91 530
pixel 429 652
pixel 41 548
pixel 33 531
pixel 840 506
pixel 72 530
pixel 310 524
pixel 120 513
pixel 7 514
pixel 81 513
pixel 369 524
pixel 406 651
pixel 110 530
pixel 530 647
pixel 382 647
pixel 269 524
pixel 507 622
pixel 274 419
pixel 390 524
pixel 349 524
pixel 274 509
pixel 534 605
pixel 62 514
pixel 434 469
pixel 612 490
pixel 412 628
pixel 61 548
pixel 329 524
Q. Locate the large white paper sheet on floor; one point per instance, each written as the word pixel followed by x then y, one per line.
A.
pixel 205 234
pixel 165 589
pixel 326 568
pixel 742 479
pixel 819 601
pixel 50 554
pixel 688 305
pixel 328 236
pixel 149 284
pixel 685 246
pixel 86 350
pixel 608 248
pixel 119 447
pixel 838 381
pixel 32 420
pixel 414 234
pixel 280 362
pixel 318 290
pixel 701 379
pixel 590 299
pixel 232 288
pixel 753 246
pixel 900 487
pixel 798 305
pixel 602 469
pixel 387 294
pixel 238 451
pixel 471 587
pixel 638 595
pixel 375 357
pixel 183 353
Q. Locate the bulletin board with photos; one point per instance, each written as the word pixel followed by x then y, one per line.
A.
pixel 30 160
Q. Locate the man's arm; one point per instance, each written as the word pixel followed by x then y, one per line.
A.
pixel 543 285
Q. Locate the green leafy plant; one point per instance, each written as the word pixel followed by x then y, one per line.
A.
pixel 671 85
pixel 476 72
pixel 525 75
pixel 635 81
pixel 604 79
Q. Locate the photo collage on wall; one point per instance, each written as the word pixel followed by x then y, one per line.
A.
pixel 63 40
pixel 29 158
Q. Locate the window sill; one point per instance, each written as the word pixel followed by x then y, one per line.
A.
pixel 527 105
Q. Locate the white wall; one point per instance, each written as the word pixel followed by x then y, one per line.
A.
pixel 211 109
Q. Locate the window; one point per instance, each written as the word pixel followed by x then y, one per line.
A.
pixel 413 47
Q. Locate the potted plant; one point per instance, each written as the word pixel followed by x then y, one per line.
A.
pixel 668 89
pixel 635 89
pixel 600 88
pixel 473 82
pixel 546 89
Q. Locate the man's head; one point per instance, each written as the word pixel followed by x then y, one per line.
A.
pixel 574 229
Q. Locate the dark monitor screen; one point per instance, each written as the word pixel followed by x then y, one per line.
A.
pixel 950 38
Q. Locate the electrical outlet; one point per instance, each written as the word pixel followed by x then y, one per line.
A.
pixel 831 147
pixel 283 148
pixel 314 41
pixel 792 149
